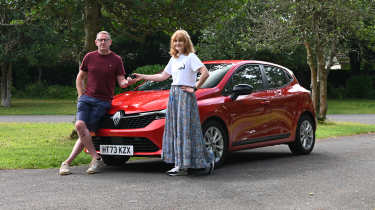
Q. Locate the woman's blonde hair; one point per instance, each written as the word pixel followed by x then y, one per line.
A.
pixel 188 45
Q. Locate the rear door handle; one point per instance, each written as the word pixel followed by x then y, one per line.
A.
pixel 265 102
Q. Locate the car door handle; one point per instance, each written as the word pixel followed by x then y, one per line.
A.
pixel 265 102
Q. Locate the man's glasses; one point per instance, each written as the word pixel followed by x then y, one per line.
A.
pixel 101 40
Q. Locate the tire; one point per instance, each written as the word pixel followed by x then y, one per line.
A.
pixel 216 138
pixel 115 160
pixel 305 137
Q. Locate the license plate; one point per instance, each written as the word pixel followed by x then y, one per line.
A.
pixel 116 150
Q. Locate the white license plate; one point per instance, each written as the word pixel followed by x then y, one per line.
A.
pixel 116 150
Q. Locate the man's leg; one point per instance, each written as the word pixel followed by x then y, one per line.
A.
pixel 78 147
pixel 86 139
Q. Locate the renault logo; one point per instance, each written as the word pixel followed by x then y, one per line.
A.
pixel 117 117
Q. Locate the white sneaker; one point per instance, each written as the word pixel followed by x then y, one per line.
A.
pixel 173 170
pixel 64 169
pixel 95 166
pixel 178 172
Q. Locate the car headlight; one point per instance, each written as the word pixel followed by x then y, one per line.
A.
pixel 161 114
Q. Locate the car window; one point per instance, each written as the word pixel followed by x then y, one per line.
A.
pixel 247 74
pixel 217 72
pixel 276 77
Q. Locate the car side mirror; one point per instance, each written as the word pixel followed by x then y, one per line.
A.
pixel 241 89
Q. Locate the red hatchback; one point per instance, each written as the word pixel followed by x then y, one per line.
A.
pixel 243 104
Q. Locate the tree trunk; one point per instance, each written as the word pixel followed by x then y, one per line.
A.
pixel 355 57
pixel 92 24
pixel 39 74
pixel 323 75
pixel 314 75
pixel 6 84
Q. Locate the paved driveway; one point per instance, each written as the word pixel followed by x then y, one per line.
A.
pixel 339 174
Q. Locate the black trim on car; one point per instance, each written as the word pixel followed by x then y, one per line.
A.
pixel 261 139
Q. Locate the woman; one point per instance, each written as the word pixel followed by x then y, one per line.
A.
pixel 183 143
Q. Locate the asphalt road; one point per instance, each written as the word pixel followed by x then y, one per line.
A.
pixel 339 174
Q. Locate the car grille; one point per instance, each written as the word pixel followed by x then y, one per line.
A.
pixel 128 122
pixel 139 144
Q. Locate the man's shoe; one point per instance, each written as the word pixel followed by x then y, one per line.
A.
pixel 64 169
pixel 179 172
pixel 95 166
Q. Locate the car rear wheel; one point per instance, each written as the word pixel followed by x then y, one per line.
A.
pixel 305 137
pixel 216 139
pixel 115 160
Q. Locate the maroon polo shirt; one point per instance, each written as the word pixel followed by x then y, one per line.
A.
pixel 102 72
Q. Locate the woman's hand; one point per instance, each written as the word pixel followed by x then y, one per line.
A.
pixel 188 89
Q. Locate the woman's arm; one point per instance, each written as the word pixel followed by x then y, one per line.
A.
pixel 153 77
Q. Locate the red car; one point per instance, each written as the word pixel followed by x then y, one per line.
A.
pixel 243 104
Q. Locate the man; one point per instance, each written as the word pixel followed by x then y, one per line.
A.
pixel 95 84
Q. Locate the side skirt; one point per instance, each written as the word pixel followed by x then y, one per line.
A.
pixel 262 139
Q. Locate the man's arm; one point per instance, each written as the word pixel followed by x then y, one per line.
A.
pixel 81 82
pixel 123 83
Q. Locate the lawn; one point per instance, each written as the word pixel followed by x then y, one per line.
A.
pixel 40 107
pixel 68 107
pixel 45 145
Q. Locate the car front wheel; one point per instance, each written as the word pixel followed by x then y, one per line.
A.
pixel 115 160
pixel 305 137
pixel 216 139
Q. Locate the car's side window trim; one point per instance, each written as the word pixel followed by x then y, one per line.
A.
pixel 227 90
pixel 285 74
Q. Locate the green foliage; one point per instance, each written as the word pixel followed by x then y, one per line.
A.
pixel 359 86
pixel 40 90
pixel 148 69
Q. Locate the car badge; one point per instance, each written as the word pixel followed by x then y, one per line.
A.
pixel 117 117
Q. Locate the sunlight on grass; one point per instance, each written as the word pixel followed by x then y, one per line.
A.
pixel 335 129
pixel 351 106
pixel 46 145
pixel 40 107
pixel 36 145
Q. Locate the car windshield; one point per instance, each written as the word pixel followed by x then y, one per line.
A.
pixel 217 72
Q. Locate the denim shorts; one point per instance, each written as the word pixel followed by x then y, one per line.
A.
pixel 91 110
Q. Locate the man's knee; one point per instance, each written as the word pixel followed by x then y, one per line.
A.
pixel 80 126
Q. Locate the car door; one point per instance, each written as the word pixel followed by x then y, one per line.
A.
pixel 248 113
pixel 281 104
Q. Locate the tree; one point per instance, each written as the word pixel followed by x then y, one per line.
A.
pixel 320 26
pixel 11 27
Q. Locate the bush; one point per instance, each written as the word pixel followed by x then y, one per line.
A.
pixel 359 86
pixel 337 93
pixel 41 90
pixel 148 69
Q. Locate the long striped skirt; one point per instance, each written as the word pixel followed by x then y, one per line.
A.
pixel 183 143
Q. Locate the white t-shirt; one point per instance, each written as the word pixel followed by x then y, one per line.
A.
pixel 184 69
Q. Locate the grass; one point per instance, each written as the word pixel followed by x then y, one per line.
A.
pixel 68 107
pixel 335 129
pixel 351 106
pixel 36 145
pixel 40 107
pixel 45 145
